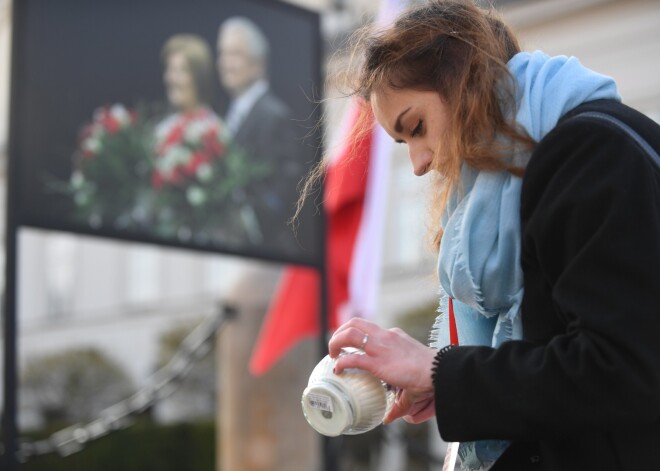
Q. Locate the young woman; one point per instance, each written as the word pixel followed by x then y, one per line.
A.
pixel 188 79
pixel 548 217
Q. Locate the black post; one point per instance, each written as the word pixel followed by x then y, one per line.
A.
pixel 329 453
pixel 10 330
pixel 9 428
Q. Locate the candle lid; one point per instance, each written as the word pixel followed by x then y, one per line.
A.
pixel 327 408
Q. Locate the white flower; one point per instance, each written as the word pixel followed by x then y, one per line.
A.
pixel 196 196
pixel 77 179
pixel 194 131
pixel 173 157
pixel 92 144
pixel 204 173
pixel 121 114
pixel 164 128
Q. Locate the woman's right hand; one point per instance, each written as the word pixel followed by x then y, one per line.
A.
pixel 395 358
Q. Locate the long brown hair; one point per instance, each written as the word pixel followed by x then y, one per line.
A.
pixel 459 50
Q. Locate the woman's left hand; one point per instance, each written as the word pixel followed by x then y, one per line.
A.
pixel 394 357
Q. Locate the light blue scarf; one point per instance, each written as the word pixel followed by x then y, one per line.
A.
pixel 479 260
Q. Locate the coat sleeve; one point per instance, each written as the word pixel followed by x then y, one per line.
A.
pixel 591 236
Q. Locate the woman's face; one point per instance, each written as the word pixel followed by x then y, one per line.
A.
pixel 179 83
pixel 417 118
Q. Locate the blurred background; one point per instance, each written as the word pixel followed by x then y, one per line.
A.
pixel 165 335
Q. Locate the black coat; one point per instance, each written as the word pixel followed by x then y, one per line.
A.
pixel 581 391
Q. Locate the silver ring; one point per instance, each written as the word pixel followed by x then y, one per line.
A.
pixel 364 341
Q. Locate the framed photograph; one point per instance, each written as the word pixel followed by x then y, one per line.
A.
pixel 188 124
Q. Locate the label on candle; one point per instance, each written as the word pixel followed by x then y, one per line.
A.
pixel 319 401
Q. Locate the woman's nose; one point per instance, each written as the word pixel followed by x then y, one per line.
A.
pixel 420 159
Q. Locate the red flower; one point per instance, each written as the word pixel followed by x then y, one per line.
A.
pixel 212 143
pixel 88 154
pixel 174 137
pixel 197 159
pixel 109 122
pixel 177 176
pixel 157 180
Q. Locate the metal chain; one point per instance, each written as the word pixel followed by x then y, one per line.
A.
pixel 158 386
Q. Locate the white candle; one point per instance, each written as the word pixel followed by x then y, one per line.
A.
pixel 350 403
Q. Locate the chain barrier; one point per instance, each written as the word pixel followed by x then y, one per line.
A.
pixel 158 386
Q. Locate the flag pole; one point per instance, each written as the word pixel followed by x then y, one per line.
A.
pixel 329 450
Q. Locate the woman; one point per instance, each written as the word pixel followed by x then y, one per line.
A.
pixel 565 373
pixel 192 149
pixel 190 136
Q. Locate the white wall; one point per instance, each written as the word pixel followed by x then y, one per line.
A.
pixel 619 38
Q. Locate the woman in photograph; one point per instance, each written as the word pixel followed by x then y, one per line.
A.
pixel 183 139
pixel 545 354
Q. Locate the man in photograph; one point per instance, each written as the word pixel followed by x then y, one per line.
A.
pixel 261 123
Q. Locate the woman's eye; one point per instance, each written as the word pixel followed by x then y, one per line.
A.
pixel 417 129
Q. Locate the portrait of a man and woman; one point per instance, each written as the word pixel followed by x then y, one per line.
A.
pixel 208 155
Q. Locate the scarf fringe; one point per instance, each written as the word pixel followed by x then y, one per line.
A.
pixel 438 336
pixel 461 265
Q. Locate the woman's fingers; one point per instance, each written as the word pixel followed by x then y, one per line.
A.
pixel 357 323
pixel 344 362
pixel 357 333
pixel 414 409
pixel 422 415
pixel 399 408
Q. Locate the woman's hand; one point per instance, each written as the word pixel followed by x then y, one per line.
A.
pixel 394 357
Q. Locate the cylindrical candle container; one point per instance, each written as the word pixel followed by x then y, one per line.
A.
pixel 352 402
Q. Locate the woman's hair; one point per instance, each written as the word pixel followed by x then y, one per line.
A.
pixel 200 60
pixel 459 50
